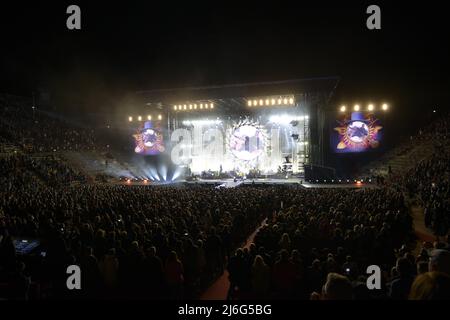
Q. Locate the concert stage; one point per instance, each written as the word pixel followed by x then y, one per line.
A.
pixel 272 129
pixel 231 183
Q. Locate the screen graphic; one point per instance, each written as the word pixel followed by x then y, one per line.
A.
pixel 149 139
pixel 247 141
pixel 359 133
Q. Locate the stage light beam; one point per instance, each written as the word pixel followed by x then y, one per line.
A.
pixel 130 119
pixel 163 171
pixel 370 107
pixel 154 174
pixel 176 174
pixel 343 108
pixel 385 107
pixel 356 107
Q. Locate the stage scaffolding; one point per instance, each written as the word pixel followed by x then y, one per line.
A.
pixel 303 142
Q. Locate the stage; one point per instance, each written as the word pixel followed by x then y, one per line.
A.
pixel 231 183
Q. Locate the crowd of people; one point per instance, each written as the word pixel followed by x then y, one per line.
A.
pixel 429 181
pixel 141 242
pixel 34 130
pixel 171 242
pixel 321 232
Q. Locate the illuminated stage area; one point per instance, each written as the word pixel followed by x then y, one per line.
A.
pixel 273 130
pixel 263 144
pixel 233 183
pixel 262 130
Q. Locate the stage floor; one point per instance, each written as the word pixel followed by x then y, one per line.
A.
pixel 230 183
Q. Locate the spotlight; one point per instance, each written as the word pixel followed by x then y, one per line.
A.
pixel 285 101
pixel 206 106
pixel 356 107
pixel 190 107
pixel 163 171
pixel 145 181
pixel 130 119
pixel 139 118
pixel 343 108
pixel 255 103
pixel 212 105
pixel 279 101
pixel 273 101
pixel 177 173
pixel 149 117
pixel 370 107
pixel 154 174
pixel 291 101
pixel 128 181
pixel 159 117
pixel 385 107
pixel 175 108
pixel 261 102
pixel 267 102
pixel 185 107
pixel 201 105
pixel 249 103
pixel 195 106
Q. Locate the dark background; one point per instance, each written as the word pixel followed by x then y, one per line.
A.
pixel 138 45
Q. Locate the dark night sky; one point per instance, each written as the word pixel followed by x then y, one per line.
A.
pixel 135 45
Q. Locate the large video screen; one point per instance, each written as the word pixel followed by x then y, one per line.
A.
pixel 264 144
pixel 149 138
pixel 356 132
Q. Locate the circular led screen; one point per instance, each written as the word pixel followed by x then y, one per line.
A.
pixel 246 142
